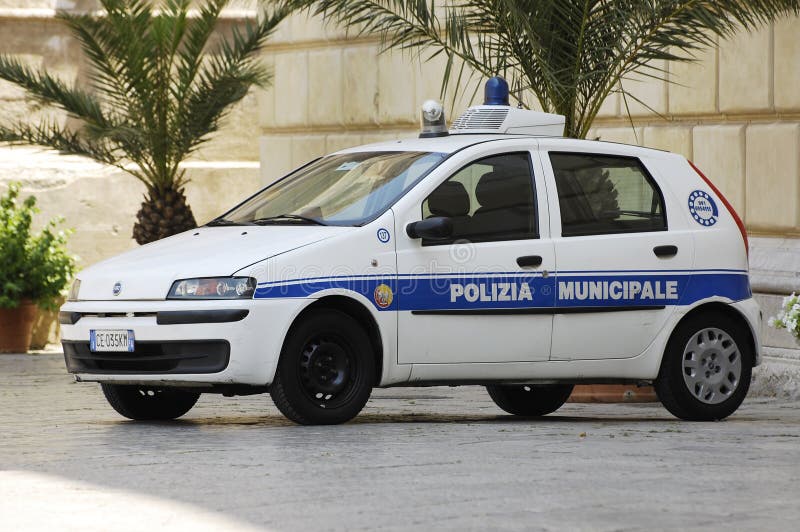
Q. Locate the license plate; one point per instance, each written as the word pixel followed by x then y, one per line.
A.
pixel 105 340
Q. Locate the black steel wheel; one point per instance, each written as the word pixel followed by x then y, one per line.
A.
pixel 530 399
pixel 143 403
pixel 326 370
pixel 706 370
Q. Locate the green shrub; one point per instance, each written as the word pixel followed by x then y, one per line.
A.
pixel 32 266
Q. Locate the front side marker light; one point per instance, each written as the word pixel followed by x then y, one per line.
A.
pixel 213 288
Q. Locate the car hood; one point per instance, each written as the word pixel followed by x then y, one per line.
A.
pixel 148 272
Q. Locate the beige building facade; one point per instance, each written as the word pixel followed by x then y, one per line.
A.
pixel 735 113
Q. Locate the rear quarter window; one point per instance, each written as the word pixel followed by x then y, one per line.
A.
pixel 606 194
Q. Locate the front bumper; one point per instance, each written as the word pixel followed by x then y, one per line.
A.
pixel 171 347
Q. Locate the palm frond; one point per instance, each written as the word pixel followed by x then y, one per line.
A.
pixel 52 91
pixel 225 79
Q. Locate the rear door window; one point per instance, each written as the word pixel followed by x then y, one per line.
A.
pixel 606 194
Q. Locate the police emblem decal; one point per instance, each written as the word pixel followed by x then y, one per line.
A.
pixel 703 208
pixel 383 235
pixel 383 295
pixel 117 288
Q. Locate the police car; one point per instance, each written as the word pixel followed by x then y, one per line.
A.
pixel 497 254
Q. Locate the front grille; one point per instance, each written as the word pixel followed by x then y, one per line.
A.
pixel 481 119
pixel 204 356
pixel 71 318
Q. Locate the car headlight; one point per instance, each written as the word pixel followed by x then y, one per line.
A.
pixel 73 291
pixel 213 288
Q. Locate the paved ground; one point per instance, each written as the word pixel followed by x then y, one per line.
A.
pixel 443 458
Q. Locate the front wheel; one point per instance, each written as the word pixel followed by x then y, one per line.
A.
pixel 142 403
pixel 706 369
pixel 530 399
pixel 326 370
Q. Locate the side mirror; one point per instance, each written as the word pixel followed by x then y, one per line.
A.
pixel 436 228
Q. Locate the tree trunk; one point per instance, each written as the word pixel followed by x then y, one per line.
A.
pixel 163 213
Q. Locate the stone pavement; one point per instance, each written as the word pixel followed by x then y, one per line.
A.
pixel 443 458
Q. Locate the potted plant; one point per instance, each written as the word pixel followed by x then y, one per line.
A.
pixel 34 268
pixel 788 317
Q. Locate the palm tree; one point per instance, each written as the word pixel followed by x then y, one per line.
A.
pixel 157 89
pixel 570 53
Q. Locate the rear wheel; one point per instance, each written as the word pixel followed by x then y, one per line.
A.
pixel 326 370
pixel 530 399
pixel 149 403
pixel 706 370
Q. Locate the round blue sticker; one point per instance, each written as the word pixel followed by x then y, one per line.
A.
pixel 702 208
pixel 383 235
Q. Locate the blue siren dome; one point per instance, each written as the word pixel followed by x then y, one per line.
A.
pixel 495 92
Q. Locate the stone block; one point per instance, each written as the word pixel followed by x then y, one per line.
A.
pixel 265 98
pixel 773 265
pixel 291 88
pixel 674 139
pixel 340 142
pixel 384 136
pixel 283 32
pixel 719 151
pixel 429 74
pixel 610 106
pixel 237 138
pixel 360 85
pixel 396 88
pixel 307 148
pixel 773 184
pixel 325 86
pixel 216 188
pixel 693 87
pixel 646 93
pixel 787 64
pixel 622 135
pixel 770 337
pixel 276 157
pixel 305 27
pixel 745 72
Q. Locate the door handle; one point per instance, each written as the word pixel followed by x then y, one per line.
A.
pixel 665 251
pixel 529 260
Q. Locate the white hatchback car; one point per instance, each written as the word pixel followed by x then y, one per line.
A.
pixel 499 255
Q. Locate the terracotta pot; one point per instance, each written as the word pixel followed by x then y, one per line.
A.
pixel 16 325
pixel 46 329
pixel 612 393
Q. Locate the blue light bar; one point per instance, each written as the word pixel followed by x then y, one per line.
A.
pixel 495 92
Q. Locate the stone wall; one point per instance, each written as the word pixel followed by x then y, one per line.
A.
pixel 735 113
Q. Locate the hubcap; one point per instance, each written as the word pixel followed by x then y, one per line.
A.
pixel 712 365
pixel 326 371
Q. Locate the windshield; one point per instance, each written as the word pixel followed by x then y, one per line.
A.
pixel 349 189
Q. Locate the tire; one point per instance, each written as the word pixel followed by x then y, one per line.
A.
pixel 142 403
pixel 530 399
pixel 706 370
pixel 326 370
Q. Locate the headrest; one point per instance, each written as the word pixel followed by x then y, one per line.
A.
pixel 497 190
pixel 449 199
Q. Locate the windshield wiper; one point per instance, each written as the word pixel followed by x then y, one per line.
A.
pixel 287 217
pixel 223 221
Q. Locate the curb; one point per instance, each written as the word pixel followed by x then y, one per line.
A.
pixel 778 375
